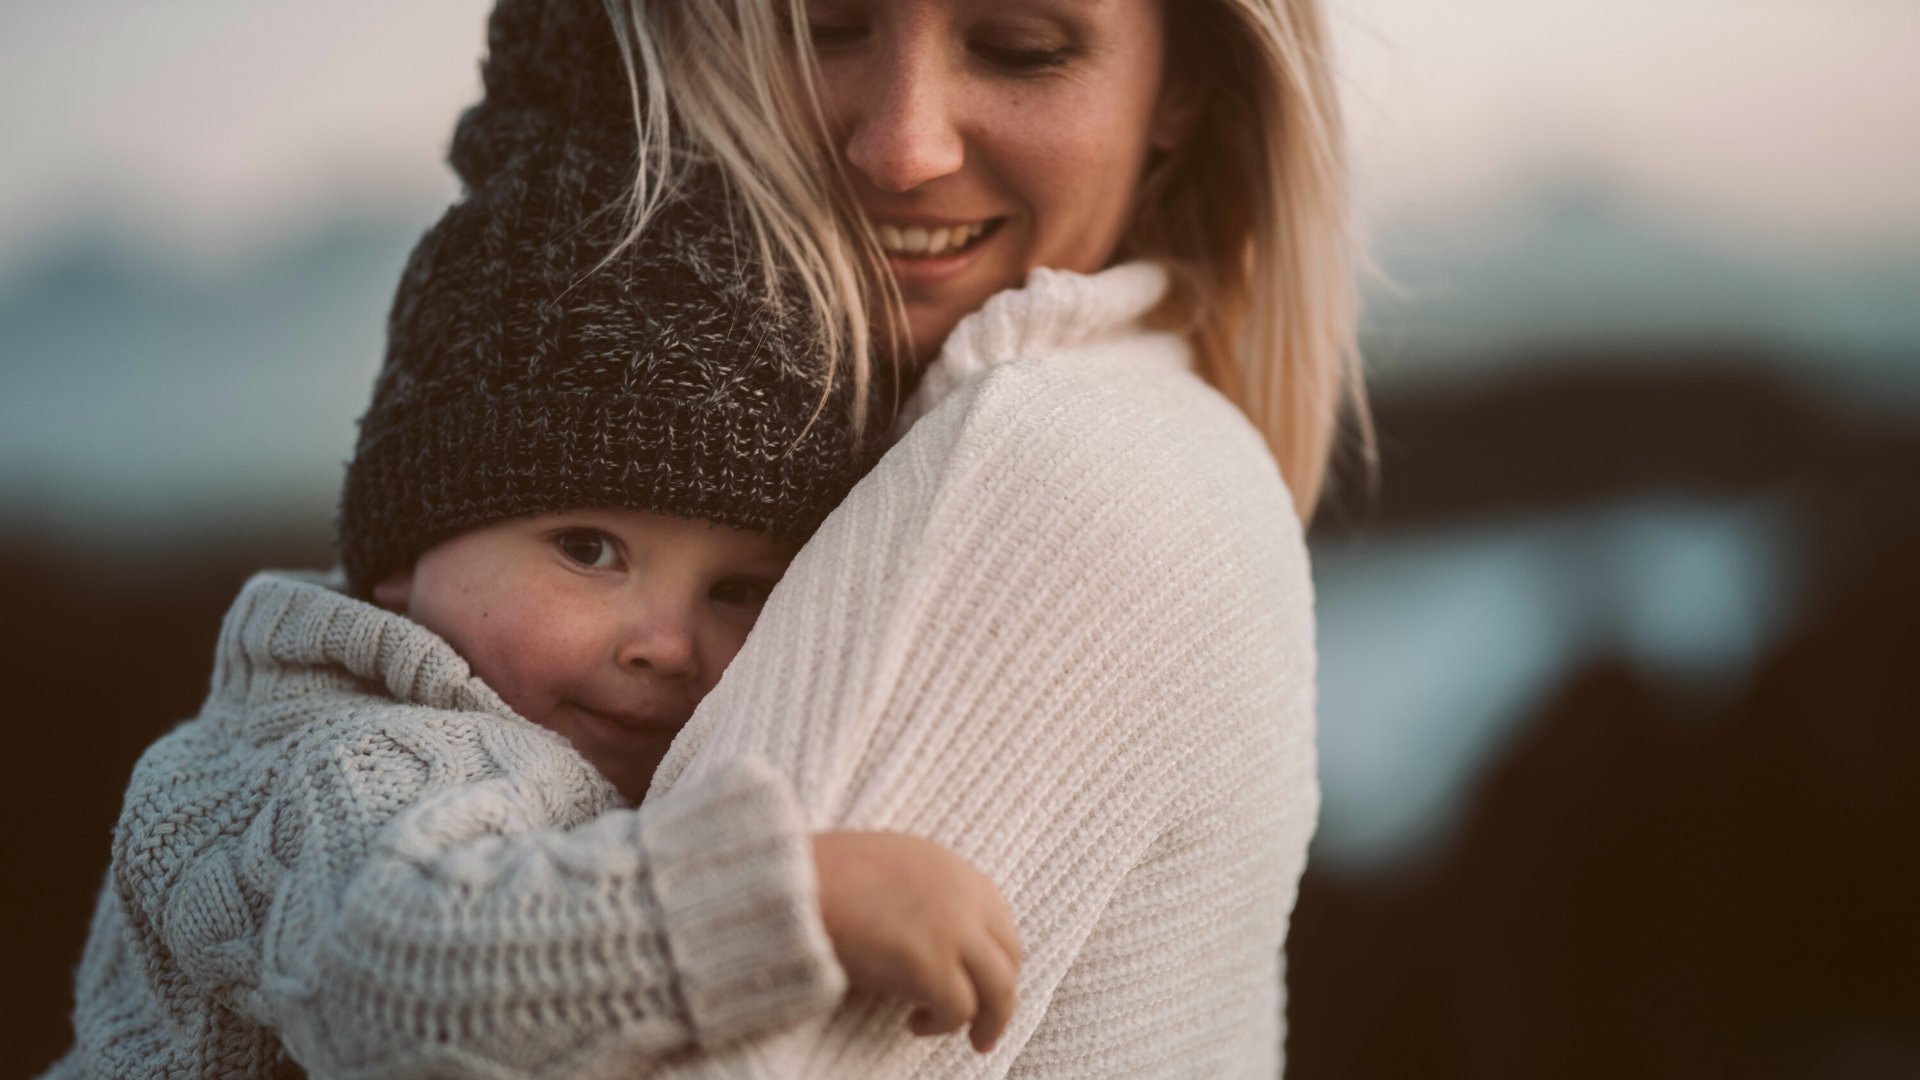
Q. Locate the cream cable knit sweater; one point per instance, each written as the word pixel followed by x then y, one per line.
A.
pixel 357 845
pixel 1066 629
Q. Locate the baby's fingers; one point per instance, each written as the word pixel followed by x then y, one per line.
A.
pixel 950 1003
pixel 1001 924
pixel 995 981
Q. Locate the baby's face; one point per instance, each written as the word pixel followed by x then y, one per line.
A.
pixel 606 626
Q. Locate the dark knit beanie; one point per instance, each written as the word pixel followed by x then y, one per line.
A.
pixel 522 376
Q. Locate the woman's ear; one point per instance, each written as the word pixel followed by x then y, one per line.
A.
pixel 1182 99
pixel 394 591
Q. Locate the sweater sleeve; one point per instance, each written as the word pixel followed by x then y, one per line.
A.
pixel 1070 638
pixel 419 894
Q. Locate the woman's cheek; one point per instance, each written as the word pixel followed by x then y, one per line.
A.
pixel 1080 183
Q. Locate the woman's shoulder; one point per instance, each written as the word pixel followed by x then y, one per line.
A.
pixel 1055 317
pixel 1083 436
pixel 1117 411
pixel 1069 359
pixel 1112 480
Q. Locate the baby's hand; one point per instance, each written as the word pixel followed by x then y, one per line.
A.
pixel 909 918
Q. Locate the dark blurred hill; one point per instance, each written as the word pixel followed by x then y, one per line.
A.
pixel 1648 883
pixel 1652 890
pixel 1720 421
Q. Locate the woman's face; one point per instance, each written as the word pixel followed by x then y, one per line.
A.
pixel 988 137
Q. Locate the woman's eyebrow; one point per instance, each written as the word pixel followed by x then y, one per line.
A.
pixel 1041 6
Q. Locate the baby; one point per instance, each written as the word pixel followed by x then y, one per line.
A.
pixel 400 838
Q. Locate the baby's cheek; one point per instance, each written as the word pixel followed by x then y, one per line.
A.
pixel 527 667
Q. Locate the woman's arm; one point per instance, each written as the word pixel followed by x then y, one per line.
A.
pixel 1059 629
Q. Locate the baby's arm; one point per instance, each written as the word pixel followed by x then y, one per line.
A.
pixel 419 897
pixel 910 919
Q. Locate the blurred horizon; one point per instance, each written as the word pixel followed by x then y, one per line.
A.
pixel 299 325
pixel 1511 198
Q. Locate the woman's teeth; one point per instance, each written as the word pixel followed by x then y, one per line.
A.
pixel 915 241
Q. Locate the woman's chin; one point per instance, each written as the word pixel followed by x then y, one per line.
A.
pixel 927 332
pixel 931 318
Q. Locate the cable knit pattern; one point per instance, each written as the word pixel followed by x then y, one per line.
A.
pixel 358 861
pixel 1065 628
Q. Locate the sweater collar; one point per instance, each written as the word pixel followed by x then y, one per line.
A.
pixel 1053 311
pixel 285 622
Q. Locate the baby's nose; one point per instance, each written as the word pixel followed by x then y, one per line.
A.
pixel 662 642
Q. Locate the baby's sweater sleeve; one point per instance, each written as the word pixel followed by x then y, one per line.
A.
pixel 1067 632
pixel 415 892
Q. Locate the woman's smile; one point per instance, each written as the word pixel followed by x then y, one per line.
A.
pixel 926 255
pixel 913 241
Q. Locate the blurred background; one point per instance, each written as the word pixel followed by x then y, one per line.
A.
pixel 1619 754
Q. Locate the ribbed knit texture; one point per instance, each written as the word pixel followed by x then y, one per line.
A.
pixel 1065 628
pixel 528 371
pixel 357 858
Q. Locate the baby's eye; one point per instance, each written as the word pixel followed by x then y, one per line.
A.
pixel 744 593
pixel 588 547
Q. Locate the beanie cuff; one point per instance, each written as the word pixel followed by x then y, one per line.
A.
pixel 463 464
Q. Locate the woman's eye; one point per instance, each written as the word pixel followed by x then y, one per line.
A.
pixel 588 547
pixel 1019 59
pixel 742 592
pixel 828 35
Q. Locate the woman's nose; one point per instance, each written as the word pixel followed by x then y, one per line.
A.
pixel 903 132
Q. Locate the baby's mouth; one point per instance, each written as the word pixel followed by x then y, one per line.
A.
pixel 930 242
pixel 637 721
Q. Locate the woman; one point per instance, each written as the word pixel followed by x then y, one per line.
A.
pixel 1065 627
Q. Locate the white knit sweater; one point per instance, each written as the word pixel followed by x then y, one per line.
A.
pixel 357 858
pixel 1066 629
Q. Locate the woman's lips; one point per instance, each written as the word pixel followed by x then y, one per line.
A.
pixel 912 241
pixel 923 267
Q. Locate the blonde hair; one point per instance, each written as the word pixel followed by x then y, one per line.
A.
pixel 1251 214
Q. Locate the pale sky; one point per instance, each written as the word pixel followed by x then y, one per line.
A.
pixel 1800 117
pixel 213 125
